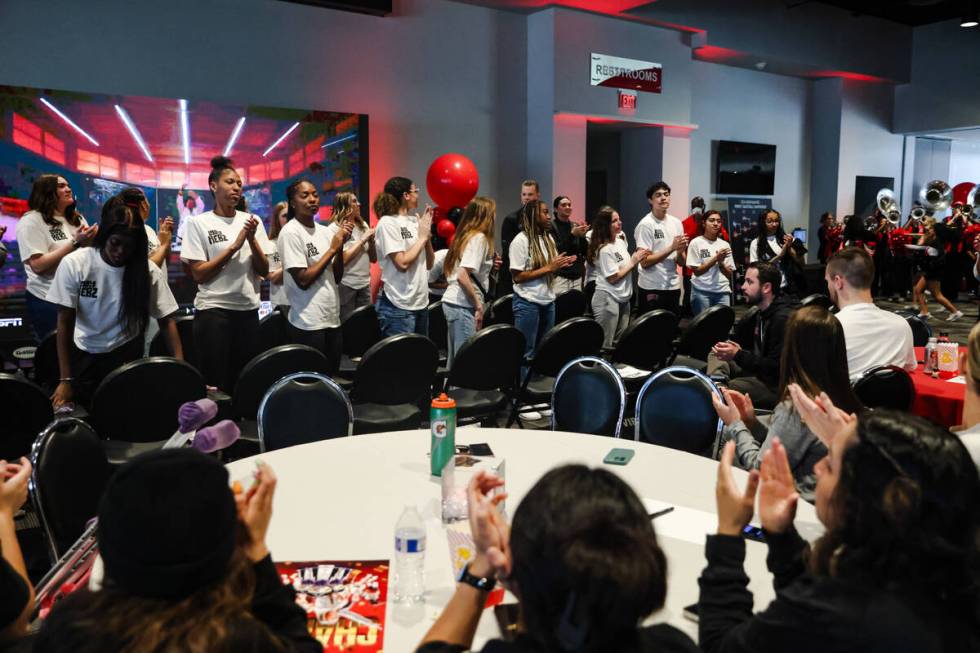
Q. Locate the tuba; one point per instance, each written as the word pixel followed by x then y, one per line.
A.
pixel 888 207
pixel 970 208
pixel 936 196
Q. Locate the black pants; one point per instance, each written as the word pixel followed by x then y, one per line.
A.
pixel 225 341
pixel 90 369
pixel 327 341
pixel 666 299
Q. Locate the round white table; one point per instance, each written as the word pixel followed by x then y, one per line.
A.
pixel 339 500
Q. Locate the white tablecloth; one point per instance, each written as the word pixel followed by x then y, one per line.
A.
pixel 340 499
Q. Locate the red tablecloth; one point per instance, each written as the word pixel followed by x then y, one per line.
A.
pixel 939 400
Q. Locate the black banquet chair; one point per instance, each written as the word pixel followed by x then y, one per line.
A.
pixel 573 338
pixel 260 373
pixel 589 397
pixel 69 476
pixel 886 386
pixel 272 330
pixel 921 331
pixel 485 372
pixel 438 329
pixel 301 408
pixel 135 407
pixel 817 299
pixel 26 409
pixel 359 332
pixel 503 311
pixel 701 334
pixel 46 362
pixel 159 346
pixel 674 409
pixel 392 382
pixel 646 344
pixel 569 304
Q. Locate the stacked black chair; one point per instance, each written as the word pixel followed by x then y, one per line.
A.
pixel 485 372
pixel 135 407
pixel 589 397
pixel 26 409
pixel 160 346
pixel 579 336
pixel 674 409
pixel 359 332
pixel 301 408
pixel 646 344
pixel 921 331
pixel 392 383
pixel 272 330
pixel 70 474
pixel 817 299
pixel 703 333
pixel 569 304
pixel 46 370
pixel 886 386
pixel 503 311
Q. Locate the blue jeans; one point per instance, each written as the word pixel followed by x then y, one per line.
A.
pixel 702 300
pixel 461 325
pixel 394 320
pixel 533 320
pixel 42 314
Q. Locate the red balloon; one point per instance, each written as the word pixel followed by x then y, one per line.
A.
pixel 452 180
pixel 445 228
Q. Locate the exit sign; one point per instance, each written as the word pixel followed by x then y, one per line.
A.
pixel 627 101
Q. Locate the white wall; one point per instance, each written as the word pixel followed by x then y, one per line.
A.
pixel 964 162
pixel 734 104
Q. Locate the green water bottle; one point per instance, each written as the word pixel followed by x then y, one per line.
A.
pixel 442 419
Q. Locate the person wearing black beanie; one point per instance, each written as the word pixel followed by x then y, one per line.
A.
pixel 186 567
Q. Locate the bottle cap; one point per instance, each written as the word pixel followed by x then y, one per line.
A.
pixel 443 401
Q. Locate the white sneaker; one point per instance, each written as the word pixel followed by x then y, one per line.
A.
pixel 546 412
pixel 942 309
pixel 531 416
pixel 924 316
pixel 955 316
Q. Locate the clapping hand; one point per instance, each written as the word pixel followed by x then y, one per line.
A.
pixel 680 243
pixel 255 510
pixel 13 485
pixel 777 491
pixel 819 414
pixel 735 507
pixel 165 231
pixel 727 412
pixel 639 255
pixel 425 223
pixel 563 260
pixel 491 533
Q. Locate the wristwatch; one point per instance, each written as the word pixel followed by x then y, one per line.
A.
pixel 482 584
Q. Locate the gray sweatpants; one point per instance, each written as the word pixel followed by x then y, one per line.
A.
pixel 613 316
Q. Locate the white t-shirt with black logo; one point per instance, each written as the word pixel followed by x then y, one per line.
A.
pixel 589 268
pixel 152 242
pixel 277 291
pixel 408 290
pixel 477 261
pixel 776 247
pixel 436 273
pixel 611 257
pixel 655 235
pixel 700 250
pixel 85 282
pixel 35 236
pixel 236 286
pixel 357 275
pixel 537 291
pixel 316 307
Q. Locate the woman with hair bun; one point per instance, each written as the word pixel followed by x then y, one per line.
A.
pixel 581 557
pixel 228 274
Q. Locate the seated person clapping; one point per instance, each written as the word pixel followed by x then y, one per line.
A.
pixel 583 560
pixel 897 567
pixel 814 357
pixel 16 593
pixel 186 567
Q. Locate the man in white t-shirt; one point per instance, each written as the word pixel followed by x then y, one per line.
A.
pixel 873 336
pixel 662 235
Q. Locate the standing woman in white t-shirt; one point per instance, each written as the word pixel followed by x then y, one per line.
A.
pixel 313 260
pixel 404 242
pixel 534 261
pixel 106 295
pixel 225 250
pixel 772 243
pixel 277 291
pixel 710 259
pixel 467 269
pixel 46 234
pixel 609 255
pixel 359 254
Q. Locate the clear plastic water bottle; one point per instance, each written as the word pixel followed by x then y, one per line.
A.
pixel 409 567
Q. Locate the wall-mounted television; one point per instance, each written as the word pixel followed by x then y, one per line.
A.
pixel 745 168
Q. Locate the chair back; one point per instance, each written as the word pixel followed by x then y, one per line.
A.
pixel 648 340
pixel 744 330
pixel 490 360
pixel 138 401
pixel 272 330
pixel 360 331
pixel 398 370
pixel 268 367
pixel 921 331
pixel 160 346
pixel 589 397
pixel 503 311
pixel 301 408
pixel 438 327
pixel 569 304
pixel 46 371
pixel 817 299
pixel 26 410
pixel 674 410
pixel 705 331
pixel 886 386
pixel 573 338
pixel 70 474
